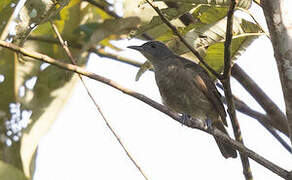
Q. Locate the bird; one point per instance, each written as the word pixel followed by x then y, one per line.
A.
pixel 186 88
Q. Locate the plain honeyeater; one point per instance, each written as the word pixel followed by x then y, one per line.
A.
pixel 186 88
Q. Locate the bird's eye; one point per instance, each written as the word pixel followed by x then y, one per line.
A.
pixel 153 45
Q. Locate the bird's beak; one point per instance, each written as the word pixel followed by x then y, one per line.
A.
pixel 138 48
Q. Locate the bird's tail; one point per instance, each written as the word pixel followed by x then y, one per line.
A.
pixel 226 150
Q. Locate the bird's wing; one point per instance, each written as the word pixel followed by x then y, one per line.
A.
pixel 204 82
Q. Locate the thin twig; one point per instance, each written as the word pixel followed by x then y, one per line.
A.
pixel 228 92
pixel 73 61
pixel 193 123
pixel 175 31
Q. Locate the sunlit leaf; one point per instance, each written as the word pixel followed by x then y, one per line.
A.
pixel 215 53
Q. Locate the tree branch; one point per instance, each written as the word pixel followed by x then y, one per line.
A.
pixel 279 21
pixel 278 119
pixel 193 123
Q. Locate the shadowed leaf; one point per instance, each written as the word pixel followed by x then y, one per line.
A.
pixel 8 172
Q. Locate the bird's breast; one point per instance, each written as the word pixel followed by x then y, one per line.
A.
pixel 178 91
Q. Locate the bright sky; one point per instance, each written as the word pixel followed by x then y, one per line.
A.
pixel 80 146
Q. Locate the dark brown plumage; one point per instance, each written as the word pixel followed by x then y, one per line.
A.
pixel 186 88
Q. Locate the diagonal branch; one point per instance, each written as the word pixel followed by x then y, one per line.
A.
pixel 278 119
pixel 73 61
pixel 193 123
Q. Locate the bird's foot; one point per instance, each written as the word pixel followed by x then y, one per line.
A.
pixel 209 124
pixel 184 117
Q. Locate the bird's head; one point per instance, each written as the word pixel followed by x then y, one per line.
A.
pixel 154 51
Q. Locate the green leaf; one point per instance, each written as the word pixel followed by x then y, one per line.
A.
pixel 215 53
pixel 207 35
pixel 113 28
pixel 8 172
pixel 156 27
pixel 204 12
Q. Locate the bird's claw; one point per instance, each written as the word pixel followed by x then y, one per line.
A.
pixel 184 117
pixel 209 124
